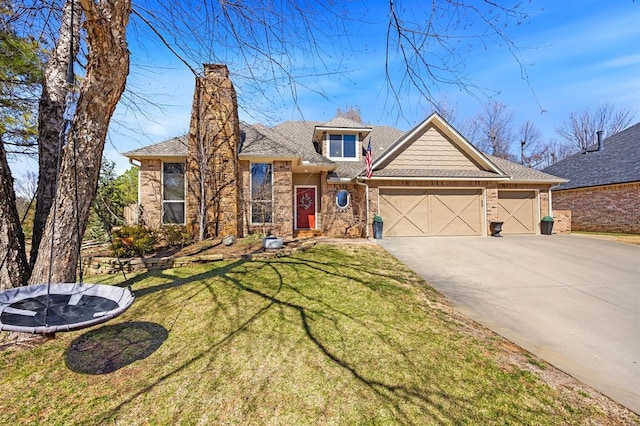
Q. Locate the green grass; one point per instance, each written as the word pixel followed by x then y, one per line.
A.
pixel 609 234
pixel 330 336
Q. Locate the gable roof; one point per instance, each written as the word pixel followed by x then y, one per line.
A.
pixel 617 162
pixel 478 165
pixel 174 147
pixel 293 140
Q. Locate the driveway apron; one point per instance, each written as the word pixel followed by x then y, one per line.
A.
pixel 574 301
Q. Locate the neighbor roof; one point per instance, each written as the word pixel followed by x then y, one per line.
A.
pixel 617 162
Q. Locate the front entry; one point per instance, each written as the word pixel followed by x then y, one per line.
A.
pixel 305 207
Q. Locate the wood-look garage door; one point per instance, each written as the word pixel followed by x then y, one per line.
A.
pixel 517 209
pixel 422 212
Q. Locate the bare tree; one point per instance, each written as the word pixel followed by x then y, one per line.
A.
pixel 107 69
pixel 350 112
pixel 26 185
pixel 491 131
pixel 556 151
pixel 446 109
pixel 579 129
pixel 533 152
pixel 427 43
pixel 58 69
pixel 13 260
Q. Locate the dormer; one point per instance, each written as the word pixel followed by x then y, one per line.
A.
pixel 341 139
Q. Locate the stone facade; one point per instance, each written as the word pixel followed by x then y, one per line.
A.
pixel 212 171
pixel 150 193
pixel 610 208
pixel 350 221
pixel 282 198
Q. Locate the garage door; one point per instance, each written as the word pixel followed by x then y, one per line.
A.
pixel 517 209
pixel 423 212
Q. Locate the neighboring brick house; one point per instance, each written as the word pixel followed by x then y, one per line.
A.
pixel 603 188
pixel 309 177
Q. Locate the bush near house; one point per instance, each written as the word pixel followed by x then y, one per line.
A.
pixel 130 241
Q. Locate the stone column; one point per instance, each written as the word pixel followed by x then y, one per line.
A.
pixel 213 178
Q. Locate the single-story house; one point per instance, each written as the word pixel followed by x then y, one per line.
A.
pixel 603 187
pixel 300 177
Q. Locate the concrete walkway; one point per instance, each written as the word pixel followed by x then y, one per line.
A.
pixel 572 300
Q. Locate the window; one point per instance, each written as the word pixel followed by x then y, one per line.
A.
pixel 173 190
pixel 342 198
pixel 342 146
pixel 261 193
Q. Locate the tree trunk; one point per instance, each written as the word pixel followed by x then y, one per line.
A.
pixel 104 83
pixel 50 119
pixel 13 260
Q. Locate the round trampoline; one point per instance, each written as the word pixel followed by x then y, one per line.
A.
pixel 47 309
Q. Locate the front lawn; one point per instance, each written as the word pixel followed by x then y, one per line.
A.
pixel 334 335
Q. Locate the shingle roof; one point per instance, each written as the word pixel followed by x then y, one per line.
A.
pixel 343 122
pixel 174 147
pixel 260 141
pixel 520 173
pixel 300 134
pixel 294 139
pixel 618 162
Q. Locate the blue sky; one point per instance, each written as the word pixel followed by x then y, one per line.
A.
pixel 577 54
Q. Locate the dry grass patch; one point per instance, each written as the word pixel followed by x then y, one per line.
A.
pixel 336 335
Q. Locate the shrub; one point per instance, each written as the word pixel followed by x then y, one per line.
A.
pixel 130 241
pixel 175 235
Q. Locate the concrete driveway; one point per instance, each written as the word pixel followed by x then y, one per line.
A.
pixel 572 300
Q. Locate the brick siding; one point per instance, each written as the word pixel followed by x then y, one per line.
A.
pixel 610 208
pixel 561 221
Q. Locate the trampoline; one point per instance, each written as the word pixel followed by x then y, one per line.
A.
pixel 50 308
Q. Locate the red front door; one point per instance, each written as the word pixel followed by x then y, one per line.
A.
pixel 306 208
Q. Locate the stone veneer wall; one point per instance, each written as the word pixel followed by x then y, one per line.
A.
pixel 212 171
pixel 282 198
pixel 348 222
pixel 610 208
pixel 150 193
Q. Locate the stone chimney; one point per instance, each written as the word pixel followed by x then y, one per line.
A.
pixel 213 199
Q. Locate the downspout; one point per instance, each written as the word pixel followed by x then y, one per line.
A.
pixel 550 212
pixel 366 198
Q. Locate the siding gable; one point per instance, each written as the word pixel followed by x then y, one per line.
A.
pixel 432 150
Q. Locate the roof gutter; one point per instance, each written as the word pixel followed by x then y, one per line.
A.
pixel 502 178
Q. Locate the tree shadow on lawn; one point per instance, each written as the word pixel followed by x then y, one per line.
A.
pixel 428 397
pixel 109 348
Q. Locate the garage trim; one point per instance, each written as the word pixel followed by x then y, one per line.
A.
pixel 481 192
pixel 536 207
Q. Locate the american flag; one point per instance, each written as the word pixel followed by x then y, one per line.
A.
pixel 367 161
